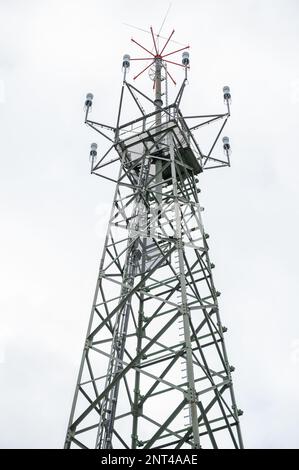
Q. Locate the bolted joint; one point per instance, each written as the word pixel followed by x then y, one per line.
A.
pixel 191 396
pixel 137 410
pixel 70 435
pixel 237 410
pixel 185 309
pixel 179 244
pixel 88 344
pixel 102 273
pixel 137 441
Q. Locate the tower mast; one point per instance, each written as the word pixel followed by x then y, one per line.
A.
pixel 155 305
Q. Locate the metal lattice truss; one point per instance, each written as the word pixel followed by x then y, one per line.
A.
pixel 154 371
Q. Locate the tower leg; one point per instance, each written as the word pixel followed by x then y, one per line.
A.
pixel 191 392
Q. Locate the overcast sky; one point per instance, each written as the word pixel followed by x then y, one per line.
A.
pixel 53 211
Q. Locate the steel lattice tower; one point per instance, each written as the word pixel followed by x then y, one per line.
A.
pixel 154 371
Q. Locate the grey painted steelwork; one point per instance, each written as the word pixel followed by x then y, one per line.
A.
pixel 154 371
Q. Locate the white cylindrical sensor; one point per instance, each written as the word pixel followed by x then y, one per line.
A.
pixel 226 93
pixel 89 98
pixel 226 144
pixel 126 61
pixel 185 58
pixel 94 146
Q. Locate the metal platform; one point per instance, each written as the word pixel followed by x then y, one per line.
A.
pixel 188 156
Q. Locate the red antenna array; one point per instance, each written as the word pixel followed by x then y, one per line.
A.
pixel 158 55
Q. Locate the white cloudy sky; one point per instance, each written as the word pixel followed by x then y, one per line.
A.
pixel 52 210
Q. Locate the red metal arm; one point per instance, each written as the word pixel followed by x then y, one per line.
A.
pixel 154 41
pixel 167 42
pixel 133 40
pixel 178 50
pixel 144 70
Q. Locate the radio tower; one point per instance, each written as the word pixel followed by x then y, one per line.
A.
pixel 154 371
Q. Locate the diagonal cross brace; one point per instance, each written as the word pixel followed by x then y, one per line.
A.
pixel 123 373
pixel 128 296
